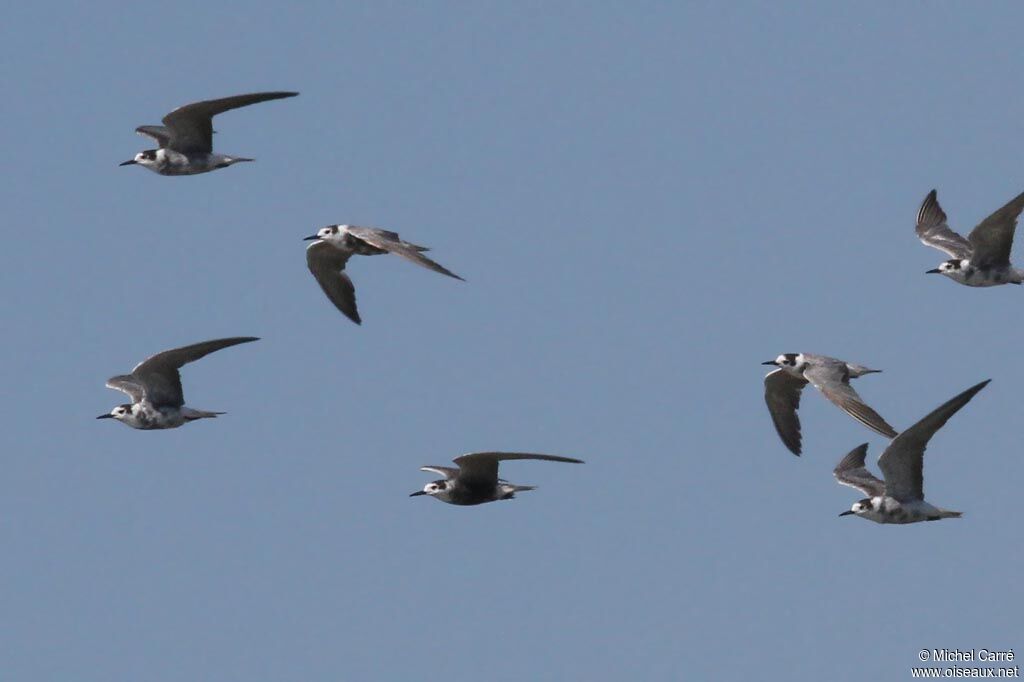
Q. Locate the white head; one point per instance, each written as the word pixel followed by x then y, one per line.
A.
pixel 860 508
pixel 794 363
pixel 951 268
pixel 330 233
pixel 438 489
pixel 147 159
pixel 120 413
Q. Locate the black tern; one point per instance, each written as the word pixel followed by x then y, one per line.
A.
pixel 186 136
pixel 476 480
pixel 337 243
pixel 783 386
pixel 155 387
pixel 900 497
pixel 981 260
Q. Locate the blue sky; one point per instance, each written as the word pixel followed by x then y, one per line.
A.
pixel 646 199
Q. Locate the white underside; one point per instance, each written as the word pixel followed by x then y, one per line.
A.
pixel 888 510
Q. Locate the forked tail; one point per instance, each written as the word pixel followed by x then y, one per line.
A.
pixel 507 490
pixel 191 414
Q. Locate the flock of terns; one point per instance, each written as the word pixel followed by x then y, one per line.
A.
pixel 982 259
pixel 158 402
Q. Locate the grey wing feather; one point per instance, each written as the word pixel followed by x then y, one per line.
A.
pixel 933 230
pixel 159 133
pixel 782 395
pixel 126 383
pixel 902 463
pixel 852 472
pixel 833 383
pixel 158 374
pixel 390 242
pixel 327 264
pixel 191 126
pixel 484 465
pixel 992 239
pixel 447 472
pixel 393 236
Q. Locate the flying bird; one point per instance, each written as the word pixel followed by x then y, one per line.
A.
pixel 981 260
pixel 476 481
pixel 186 137
pixel 900 497
pixel 155 387
pixel 783 386
pixel 335 244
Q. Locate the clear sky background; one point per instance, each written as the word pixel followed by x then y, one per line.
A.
pixel 646 199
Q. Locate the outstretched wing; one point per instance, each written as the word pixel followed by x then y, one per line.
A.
pixel 902 463
pixel 833 381
pixel 852 472
pixel 126 383
pixel 782 395
pixel 191 126
pixel 992 239
pixel 390 242
pixel 447 472
pixel 327 264
pixel 159 133
pixel 483 466
pixel 933 230
pixel 158 375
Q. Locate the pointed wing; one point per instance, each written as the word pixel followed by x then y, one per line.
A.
pixel 126 383
pixel 447 472
pixel 852 472
pixel 902 463
pixel 159 133
pixel 833 381
pixel 483 466
pixel 933 230
pixel 782 395
pixel 390 242
pixel 992 239
pixel 191 126
pixel 158 375
pixel 327 264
